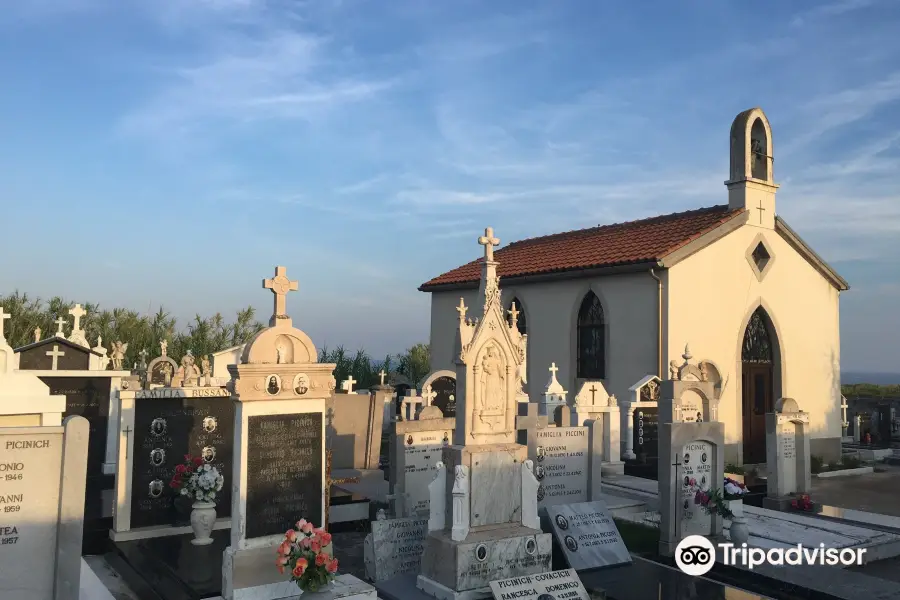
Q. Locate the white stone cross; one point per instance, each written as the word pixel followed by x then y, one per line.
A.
pixel 428 394
pixel 55 353
pixel 461 309
pixel 488 241
pixel 382 374
pixel 514 314
pixel 843 408
pixel 77 311
pixel 347 385
pixel 280 286
pixel 3 317
pixel 553 369
pixel 60 323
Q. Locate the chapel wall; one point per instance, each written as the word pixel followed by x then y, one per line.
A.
pixel 710 297
pixel 551 309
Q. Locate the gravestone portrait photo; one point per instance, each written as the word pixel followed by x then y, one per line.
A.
pixel 301 384
pixel 158 427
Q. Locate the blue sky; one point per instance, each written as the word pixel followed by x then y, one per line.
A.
pixel 174 151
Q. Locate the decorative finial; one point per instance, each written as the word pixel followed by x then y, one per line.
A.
pixel 461 309
pixel 515 316
pixel 687 353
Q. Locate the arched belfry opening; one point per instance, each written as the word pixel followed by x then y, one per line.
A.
pixel 760 357
pixel 759 151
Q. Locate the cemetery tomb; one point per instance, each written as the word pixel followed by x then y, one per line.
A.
pixel 697 465
pixel 418 448
pixel 42 477
pixel 561 460
pixel 284 471
pixel 545 586
pixel 165 430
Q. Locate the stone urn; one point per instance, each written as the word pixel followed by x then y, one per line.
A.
pixel 203 518
pixel 739 532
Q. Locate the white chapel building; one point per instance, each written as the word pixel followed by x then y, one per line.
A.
pixel 618 302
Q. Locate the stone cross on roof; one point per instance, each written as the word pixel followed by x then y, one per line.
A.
pixel 77 312
pixel 382 374
pixel 3 317
pixel 347 385
pixel 488 241
pixel 60 323
pixel 280 286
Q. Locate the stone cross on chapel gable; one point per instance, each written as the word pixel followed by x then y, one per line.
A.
pixel 280 286
pixel 489 241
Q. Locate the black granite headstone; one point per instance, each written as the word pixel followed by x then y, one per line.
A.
pixel 69 356
pixel 167 429
pixel 445 395
pixel 284 472
pixel 646 433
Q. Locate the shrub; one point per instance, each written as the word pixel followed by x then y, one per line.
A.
pixel 817 464
pixel 734 469
pixel 849 461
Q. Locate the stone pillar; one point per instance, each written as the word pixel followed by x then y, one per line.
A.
pixel 627 430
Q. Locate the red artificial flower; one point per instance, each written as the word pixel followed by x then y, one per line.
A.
pixel 332 566
pixel 187 457
pixel 179 469
pixel 321 559
pixel 198 461
pixel 326 538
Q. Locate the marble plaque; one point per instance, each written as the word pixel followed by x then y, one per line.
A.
pixel 397 547
pixel 588 535
pixel 560 456
pixel 29 512
pixel 165 429
pixel 646 432
pixel 787 450
pixel 284 471
pixel 555 585
pixel 696 463
pixel 444 389
pixel 421 452
pixel 87 397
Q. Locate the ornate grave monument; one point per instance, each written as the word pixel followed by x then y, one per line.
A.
pixel 691 454
pixel 639 416
pixel 593 403
pixel 787 454
pixel 483 522
pixel 279 390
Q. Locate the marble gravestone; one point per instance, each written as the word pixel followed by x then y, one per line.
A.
pixel 278 477
pixel 561 459
pixel 593 403
pixel 787 454
pixel 159 426
pixel 587 535
pixel 483 521
pixel 443 385
pixel 546 586
pixel 691 456
pixel 394 547
pixel 639 417
pixel 417 448
pixel 43 481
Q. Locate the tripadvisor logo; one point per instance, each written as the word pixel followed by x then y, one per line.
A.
pixel 695 555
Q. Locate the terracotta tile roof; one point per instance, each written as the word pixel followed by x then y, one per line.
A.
pixel 603 246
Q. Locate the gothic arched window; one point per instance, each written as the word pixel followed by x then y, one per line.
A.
pixel 591 339
pixel 757 347
pixel 522 324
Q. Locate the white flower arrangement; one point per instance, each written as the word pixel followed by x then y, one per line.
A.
pixel 198 481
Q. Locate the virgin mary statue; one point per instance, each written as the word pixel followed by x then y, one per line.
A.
pixel 492 380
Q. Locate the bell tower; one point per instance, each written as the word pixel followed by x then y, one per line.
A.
pixel 750 185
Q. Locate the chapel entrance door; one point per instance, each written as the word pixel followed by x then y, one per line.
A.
pixel 758 389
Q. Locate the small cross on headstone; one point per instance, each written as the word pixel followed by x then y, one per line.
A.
pixel 55 353
pixel 382 374
pixel 553 369
pixel 3 317
pixel 127 431
pixel 280 286
pixel 347 386
pixel 593 390
pixel 60 323
pixel 761 211
pixel 77 312
pixel 488 241
pixel 429 395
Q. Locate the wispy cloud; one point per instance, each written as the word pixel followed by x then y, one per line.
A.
pixel 830 9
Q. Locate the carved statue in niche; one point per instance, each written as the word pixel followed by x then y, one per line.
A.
pixel 704 372
pixel 280 354
pixel 673 370
pixel 493 381
pixel 189 372
pixel 166 370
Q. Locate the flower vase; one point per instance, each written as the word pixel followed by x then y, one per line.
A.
pixel 738 531
pixel 323 591
pixel 203 518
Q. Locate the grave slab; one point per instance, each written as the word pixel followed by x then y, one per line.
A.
pixel 587 535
